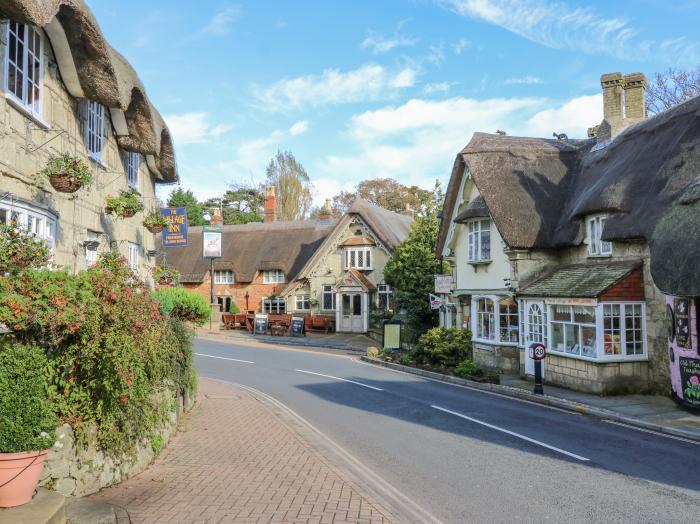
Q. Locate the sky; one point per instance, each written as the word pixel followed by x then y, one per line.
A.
pixel 380 88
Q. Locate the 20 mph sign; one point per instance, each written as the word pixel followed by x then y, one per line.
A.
pixel 538 351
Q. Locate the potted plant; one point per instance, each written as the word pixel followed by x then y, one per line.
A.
pixel 67 173
pixel 27 420
pixel 155 222
pixel 165 275
pixel 126 205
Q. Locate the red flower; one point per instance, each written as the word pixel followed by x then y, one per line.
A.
pixel 123 399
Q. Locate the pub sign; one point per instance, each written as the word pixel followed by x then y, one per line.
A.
pixel 175 233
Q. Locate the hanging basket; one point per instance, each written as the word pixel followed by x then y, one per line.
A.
pixel 64 182
pixel 155 229
pixel 165 281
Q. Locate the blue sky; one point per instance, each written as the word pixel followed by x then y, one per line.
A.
pixel 382 88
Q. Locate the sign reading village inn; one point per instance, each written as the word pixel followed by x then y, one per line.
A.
pixel 175 234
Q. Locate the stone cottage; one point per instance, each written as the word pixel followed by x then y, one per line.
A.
pixel 67 90
pixel 559 234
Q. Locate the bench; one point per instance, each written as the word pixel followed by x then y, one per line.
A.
pixel 320 323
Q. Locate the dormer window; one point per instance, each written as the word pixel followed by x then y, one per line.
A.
pixel 596 246
pixel 479 239
pixel 358 258
pixel 273 276
pixel 23 65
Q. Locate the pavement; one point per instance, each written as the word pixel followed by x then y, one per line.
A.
pixel 238 460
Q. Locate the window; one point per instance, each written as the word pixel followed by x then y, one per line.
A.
pixel 485 324
pixel 91 248
pixel 358 258
pixel 223 277
pixel 596 246
pixel 273 276
pixel 623 331
pixel 131 166
pixel 94 131
pixel 301 303
pixel 383 297
pixel 39 222
pixel 479 240
pixel 574 330
pixel 274 305
pixel 328 298
pixel 536 324
pixel 24 65
pixel 508 320
pixel 133 257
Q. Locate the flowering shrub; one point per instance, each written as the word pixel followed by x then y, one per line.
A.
pixel 19 250
pixel 181 303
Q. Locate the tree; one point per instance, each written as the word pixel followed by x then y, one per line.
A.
pixel 240 204
pixel 391 195
pixel 672 87
pixel 293 186
pixel 409 272
pixel 195 211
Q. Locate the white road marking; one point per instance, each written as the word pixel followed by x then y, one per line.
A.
pixel 341 379
pixel 225 358
pixel 518 435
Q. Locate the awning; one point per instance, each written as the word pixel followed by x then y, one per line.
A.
pixel 580 280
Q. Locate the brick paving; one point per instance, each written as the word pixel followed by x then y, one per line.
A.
pixel 236 461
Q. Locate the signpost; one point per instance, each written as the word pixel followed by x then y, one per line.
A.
pixel 538 352
pixel 260 324
pixel 211 249
pixel 444 284
pixel 297 327
pixel 392 334
pixel 175 233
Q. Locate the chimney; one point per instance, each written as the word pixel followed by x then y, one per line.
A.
pixel 407 210
pixel 325 214
pixel 613 112
pixel 635 105
pixel 217 219
pixel 270 204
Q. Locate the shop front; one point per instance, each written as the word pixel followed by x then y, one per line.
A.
pixel 683 350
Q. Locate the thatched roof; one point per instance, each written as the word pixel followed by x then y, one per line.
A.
pixel 91 68
pixel 391 228
pixel 250 248
pixel 475 209
pixel 539 190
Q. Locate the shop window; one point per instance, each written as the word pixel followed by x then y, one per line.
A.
pixel 479 241
pixel 328 298
pixel 573 330
pixel 485 325
pixel 508 320
pixel 273 276
pixel 301 302
pixel 596 246
pixel 23 65
pixel 358 258
pixel 274 305
pixel 223 277
pixel 623 330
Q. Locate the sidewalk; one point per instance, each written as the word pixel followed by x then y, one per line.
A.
pixel 236 461
pixel 652 412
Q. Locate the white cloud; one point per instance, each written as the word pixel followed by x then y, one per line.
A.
pixel 379 44
pixel 221 22
pixel 559 25
pixel 299 128
pixel 574 117
pixel 527 80
pixel 368 82
pixel 460 45
pixel 194 128
pixel 437 87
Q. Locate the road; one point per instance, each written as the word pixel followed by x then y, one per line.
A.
pixel 468 456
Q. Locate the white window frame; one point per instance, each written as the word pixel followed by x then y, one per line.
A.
pixel 91 252
pixel 477 231
pixel 385 290
pixel 495 320
pixel 353 255
pixel 95 130
pixel 223 276
pixel 132 161
pixel 579 326
pixel 273 276
pixel 301 302
pixel 29 85
pixel 133 256
pixel 328 291
pixel 273 306
pixel 42 224
pixel 594 230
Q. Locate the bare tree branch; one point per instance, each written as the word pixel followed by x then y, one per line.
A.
pixel 672 87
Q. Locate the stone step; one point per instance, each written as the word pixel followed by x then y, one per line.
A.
pixel 85 511
pixel 47 507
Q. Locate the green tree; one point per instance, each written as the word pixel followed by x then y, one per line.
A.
pixel 240 204
pixel 391 195
pixel 185 198
pixel 293 187
pixel 410 272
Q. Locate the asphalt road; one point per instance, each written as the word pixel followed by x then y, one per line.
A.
pixel 469 456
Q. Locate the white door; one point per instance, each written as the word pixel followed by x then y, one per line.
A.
pixel 351 313
pixel 535 331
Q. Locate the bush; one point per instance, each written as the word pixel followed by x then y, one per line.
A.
pixel 443 347
pixel 468 369
pixel 233 308
pixel 19 250
pixel 183 304
pixel 27 420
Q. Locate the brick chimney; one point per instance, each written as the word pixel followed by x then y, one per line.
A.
pixel 325 214
pixel 623 103
pixel 270 204
pixel 216 219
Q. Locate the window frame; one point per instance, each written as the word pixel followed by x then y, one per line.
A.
pixel 352 255
pixel 21 213
pixel 597 247
pixel 302 302
pixel 495 319
pixel 134 256
pixel 91 254
pixel 476 232
pixel 223 276
pixel 273 276
pixel 132 164
pixel 385 291
pixel 327 290
pixel 95 115
pixel 29 31
pixel 579 326
pixel 276 301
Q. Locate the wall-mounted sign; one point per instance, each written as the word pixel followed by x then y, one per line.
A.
pixel 297 327
pixel 175 233
pixel 571 301
pixel 690 381
pixel 392 334
pixel 681 315
pixel 211 241
pixel 444 283
pixel 260 324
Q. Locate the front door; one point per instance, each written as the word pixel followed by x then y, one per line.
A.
pixel 351 313
pixel 535 331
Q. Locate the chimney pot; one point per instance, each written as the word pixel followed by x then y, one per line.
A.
pixel 326 211
pixel 635 104
pixel 270 204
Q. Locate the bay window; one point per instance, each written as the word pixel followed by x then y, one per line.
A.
pixel 495 319
pixel 358 258
pixel 573 330
pixel 623 331
pixel 41 224
pixel 23 66
pixel 508 320
pixel 479 241
pixel 485 324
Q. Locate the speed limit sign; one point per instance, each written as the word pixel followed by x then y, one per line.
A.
pixel 538 351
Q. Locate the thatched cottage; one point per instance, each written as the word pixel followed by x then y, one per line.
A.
pixel 575 244
pixel 67 90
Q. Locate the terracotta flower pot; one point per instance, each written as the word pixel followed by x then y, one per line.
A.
pixel 155 229
pixel 64 182
pixel 19 475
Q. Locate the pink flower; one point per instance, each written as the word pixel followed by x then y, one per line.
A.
pixel 694 380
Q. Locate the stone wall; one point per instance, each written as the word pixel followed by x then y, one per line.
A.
pixel 79 467
pixel 503 359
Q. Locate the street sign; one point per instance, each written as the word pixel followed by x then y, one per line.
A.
pixel 538 351
pixel 444 283
pixel 175 233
